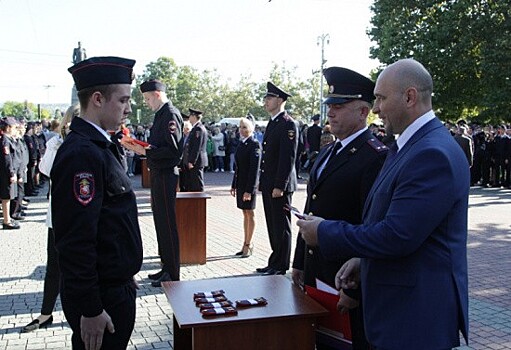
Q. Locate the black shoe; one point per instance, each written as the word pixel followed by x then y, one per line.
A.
pixel 164 278
pixel 18 217
pixel 274 272
pixel 263 269
pixel 26 199
pixel 32 326
pixel 155 276
pixel 13 225
pixel 239 253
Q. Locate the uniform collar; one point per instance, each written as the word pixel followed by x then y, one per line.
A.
pixel 90 130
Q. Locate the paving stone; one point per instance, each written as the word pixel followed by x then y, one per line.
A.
pixel 23 261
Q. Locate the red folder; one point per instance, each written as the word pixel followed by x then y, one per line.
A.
pixel 131 140
pixel 335 322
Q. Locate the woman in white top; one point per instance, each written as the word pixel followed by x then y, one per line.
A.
pixel 52 277
pixel 219 150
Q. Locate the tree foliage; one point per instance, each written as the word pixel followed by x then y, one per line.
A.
pixel 465 44
pixel 24 110
pixel 189 88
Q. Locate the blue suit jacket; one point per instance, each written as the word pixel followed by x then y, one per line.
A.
pixel 413 243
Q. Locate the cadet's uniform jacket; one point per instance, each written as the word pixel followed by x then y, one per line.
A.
pixel 279 153
pixel 196 147
pixel 167 138
pixel 95 218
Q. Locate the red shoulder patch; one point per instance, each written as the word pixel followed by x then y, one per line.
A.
pixel 377 145
pixel 84 188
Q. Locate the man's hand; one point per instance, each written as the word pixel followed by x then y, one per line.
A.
pixel 346 303
pixel 309 229
pixel 190 166
pixel 92 329
pixel 247 197
pixel 298 277
pixel 348 276
pixel 277 193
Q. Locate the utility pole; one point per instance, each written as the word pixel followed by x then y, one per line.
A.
pixel 321 40
pixel 48 87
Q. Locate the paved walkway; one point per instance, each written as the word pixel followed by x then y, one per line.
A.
pixel 22 266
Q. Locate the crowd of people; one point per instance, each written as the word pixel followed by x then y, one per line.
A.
pixel 369 228
pixel 24 144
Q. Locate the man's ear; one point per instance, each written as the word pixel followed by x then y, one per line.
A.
pixel 97 99
pixel 411 96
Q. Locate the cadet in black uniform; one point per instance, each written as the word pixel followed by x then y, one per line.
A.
pixel 340 180
pixel 163 157
pixel 195 158
pixel 244 182
pixel 94 211
pixel 277 181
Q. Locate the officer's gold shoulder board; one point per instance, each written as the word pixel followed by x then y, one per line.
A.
pixel 377 145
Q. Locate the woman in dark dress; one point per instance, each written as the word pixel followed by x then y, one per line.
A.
pixel 244 181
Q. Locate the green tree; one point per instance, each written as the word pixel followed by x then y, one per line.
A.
pixel 463 43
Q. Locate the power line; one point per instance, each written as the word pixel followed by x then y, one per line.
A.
pixel 32 53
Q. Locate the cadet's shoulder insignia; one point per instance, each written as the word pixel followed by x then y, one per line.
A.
pixel 197 134
pixel 84 188
pixel 291 134
pixel 377 145
pixel 172 126
pixel 6 150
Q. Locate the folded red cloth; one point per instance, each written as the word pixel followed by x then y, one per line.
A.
pixel 215 305
pixel 228 310
pixel 210 300
pixel 212 294
pixel 251 302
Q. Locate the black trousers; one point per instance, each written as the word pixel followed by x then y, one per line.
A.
pixel 163 197
pixel 52 276
pixel 195 180
pixel 278 224
pixel 119 303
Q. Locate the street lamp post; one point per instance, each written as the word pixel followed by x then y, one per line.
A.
pixel 321 40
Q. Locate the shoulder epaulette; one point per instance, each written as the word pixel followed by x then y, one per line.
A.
pixel 377 145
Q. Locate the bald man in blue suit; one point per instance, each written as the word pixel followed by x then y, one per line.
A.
pixel 412 244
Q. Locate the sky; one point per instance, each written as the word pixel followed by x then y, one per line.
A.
pixel 235 37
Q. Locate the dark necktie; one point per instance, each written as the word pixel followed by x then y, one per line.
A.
pixel 328 160
pixel 333 153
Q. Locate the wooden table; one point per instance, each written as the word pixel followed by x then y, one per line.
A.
pixel 146 176
pixel 287 322
pixel 191 225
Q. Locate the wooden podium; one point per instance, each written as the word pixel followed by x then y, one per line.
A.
pixel 288 322
pixel 146 176
pixel 191 225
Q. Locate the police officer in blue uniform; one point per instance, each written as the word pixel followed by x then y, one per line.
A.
pixel 277 180
pixel 340 181
pixel 94 211
pixel 163 157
